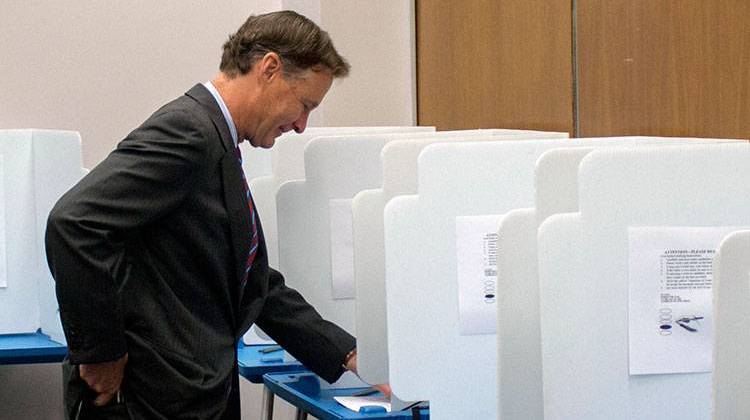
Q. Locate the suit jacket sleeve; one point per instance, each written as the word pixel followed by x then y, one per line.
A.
pixel 292 322
pixel 148 175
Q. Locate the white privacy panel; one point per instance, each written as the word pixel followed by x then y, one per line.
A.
pixel 429 357
pixel 399 160
pixel 38 167
pixel 287 157
pixel 519 341
pixel 584 284
pixel 58 166
pixel 336 168
pixel 285 162
pixel 731 380
pixel 256 161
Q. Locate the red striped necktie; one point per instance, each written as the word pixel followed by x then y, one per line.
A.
pixel 254 232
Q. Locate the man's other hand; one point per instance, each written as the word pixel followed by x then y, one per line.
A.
pixel 104 378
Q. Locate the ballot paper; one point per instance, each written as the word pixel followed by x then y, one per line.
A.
pixel 342 248
pixel 476 264
pixel 670 298
pixel 355 403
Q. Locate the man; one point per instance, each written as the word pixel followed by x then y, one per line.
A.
pixel 158 255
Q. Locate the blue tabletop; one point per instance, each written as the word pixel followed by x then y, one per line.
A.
pixel 303 390
pixel 30 348
pixel 254 363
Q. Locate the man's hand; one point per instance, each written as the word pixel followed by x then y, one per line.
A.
pixel 384 388
pixel 104 378
pixel 351 365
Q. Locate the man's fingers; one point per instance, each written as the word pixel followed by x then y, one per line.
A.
pixel 104 378
pixel 103 398
pixel 384 388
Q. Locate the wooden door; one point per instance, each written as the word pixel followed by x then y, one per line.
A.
pixel 494 63
pixel 667 67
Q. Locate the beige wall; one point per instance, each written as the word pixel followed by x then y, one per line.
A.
pixel 377 38
pixel 101 67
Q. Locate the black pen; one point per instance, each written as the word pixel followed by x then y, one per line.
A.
pixel 365 392
pixel 270 349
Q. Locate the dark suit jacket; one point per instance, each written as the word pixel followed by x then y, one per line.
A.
pixel 147 251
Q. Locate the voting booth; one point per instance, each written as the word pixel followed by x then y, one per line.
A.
pixel 434 327
pixel 441 320
pixel 399 163
pixel 285 162
pixel 36 168
pixel 315 219
pixel 625 288
pixel 519 341
pixel 731 380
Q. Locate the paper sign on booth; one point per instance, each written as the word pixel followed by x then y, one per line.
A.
pixel 342 248
pixel 670 305
pixel 476 263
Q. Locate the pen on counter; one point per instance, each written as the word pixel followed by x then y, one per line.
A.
pixel 270 349
pixel 365 392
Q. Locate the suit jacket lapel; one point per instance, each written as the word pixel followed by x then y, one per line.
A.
pixel 234 190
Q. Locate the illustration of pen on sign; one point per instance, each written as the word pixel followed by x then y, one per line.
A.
pixel 684 321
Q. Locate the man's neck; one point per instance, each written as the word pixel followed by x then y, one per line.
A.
pixel 236 92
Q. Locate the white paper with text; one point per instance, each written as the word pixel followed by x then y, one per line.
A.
pixel 670 298
pixel 476 263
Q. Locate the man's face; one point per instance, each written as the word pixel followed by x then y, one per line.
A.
pixel 286 104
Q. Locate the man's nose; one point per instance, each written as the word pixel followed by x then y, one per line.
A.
pixel 301 123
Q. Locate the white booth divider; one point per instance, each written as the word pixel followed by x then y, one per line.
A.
pixel 38 166
pixel 315 213
pixel 399 160
pixel 429 357
pixel 258 162
pixel 731 380
pixel 286 162
pixel 519 340
pixel 584 277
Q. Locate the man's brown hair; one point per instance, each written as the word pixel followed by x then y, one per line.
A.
pixel 299 42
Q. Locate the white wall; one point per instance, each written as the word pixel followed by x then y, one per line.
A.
pixel 102 67
pixel 377 38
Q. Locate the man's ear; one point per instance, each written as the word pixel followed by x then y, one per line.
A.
pixel 270 66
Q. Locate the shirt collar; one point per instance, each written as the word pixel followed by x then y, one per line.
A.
pixel 224 110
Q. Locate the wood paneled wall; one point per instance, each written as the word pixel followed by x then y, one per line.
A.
pixel 494 63
pixel 642 67
pixel 667 67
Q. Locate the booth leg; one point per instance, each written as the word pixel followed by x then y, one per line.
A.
pixel 266 412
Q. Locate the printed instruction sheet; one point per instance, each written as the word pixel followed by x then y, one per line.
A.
pixel 670 302
pixel 476 263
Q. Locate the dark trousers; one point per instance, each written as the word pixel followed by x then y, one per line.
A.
pixel 78 399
